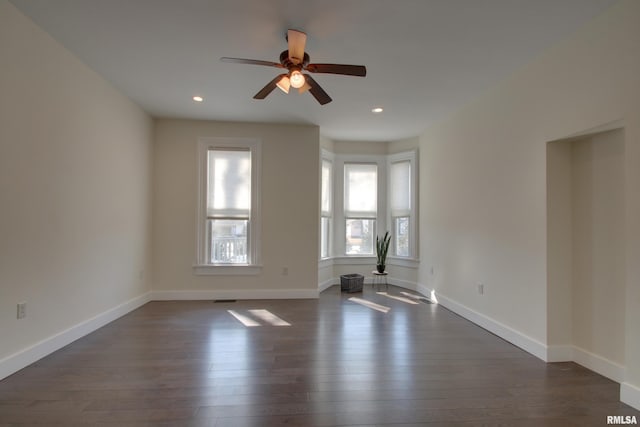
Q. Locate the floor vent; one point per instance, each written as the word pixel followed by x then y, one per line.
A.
pixel 224 300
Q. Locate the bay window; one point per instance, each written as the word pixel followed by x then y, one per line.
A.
pixel 326 206
pixel 400 206
pixel 360 207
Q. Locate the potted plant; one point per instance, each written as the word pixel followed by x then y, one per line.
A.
pixel 382 247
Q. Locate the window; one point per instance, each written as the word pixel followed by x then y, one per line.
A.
pixel 401 196
pixel 400 189
pixel 228 220
pixel 363 196
pixel 360 207
pixel 228 205
pixel 326 208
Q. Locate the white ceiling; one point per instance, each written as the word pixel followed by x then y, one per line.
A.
pixel 425 58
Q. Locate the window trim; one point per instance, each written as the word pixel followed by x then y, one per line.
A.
pixel 330 158
pixel 340 227
pixel 201 266
pixel 412 157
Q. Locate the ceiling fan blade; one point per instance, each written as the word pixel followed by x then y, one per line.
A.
pixel 348 70
pixel 318 93
pixel 297 40
pixel 251 62
pixel 268 88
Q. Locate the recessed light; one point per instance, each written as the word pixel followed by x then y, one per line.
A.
pixel 377 110
pixel 198 98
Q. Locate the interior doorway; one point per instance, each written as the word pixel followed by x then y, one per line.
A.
pixel 586 251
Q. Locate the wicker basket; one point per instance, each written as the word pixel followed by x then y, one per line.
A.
pixel 351 282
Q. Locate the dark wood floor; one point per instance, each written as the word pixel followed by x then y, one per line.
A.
pixel 338 363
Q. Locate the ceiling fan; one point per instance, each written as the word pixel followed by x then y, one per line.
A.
pixel 295 60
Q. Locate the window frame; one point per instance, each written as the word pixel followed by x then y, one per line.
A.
pixel 412 157
pixel 329 158
pixel 340 219
pixel 360 216
pixel 253 265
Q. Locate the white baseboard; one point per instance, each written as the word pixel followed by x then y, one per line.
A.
pixel 599 364
pixel 427 292
pixel 559 353
pixel 411 286
pixel 553 353
pixel 630 394
pixel 323 286
pixel 516 338
pixel 23 358
pixel 592 361
pixel 235 294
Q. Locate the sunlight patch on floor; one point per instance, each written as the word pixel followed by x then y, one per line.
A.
pixel 370 304
pixel 269 317
pixel 417 297
pixel 245 320
pixel 397 298
pixel 253 318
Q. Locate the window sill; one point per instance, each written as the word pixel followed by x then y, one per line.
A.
pixel 368 260
pixel 226 270
pixel 355 260
pixel 403 262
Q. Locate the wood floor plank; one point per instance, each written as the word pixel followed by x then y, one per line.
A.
pixel 338 363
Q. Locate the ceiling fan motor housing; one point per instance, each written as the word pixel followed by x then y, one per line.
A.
pixel 288 64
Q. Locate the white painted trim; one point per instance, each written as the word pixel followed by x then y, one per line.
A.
pixel 411 286
pixel 592 361
pixel 212 294
pixel 227 270
pixel 559 353
pixel 323 286
pixel 630 394
pixel 412 157
pixel 425 291
pixel 403 262
pixel 254 145
pixel 355 260
pixel 505 332
pixel 599 364
pixel 29 355
pixel 325 263
pixel 367 260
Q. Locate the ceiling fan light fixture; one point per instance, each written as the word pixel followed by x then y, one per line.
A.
pixel 297 79
pixel 304 87
pixel 284 84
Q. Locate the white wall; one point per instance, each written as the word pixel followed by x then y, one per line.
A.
pixel 599 245
pixel 290 211
pixel 560 249
pixel 483 180
pixel 74 191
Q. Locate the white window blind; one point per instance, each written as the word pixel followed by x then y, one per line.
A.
pixel 360 190
pixel 326 188
pixel 400 188
pixel 229 189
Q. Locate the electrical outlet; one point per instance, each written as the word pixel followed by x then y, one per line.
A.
pixel 480 288
pixel 22 310
pixel 285 271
